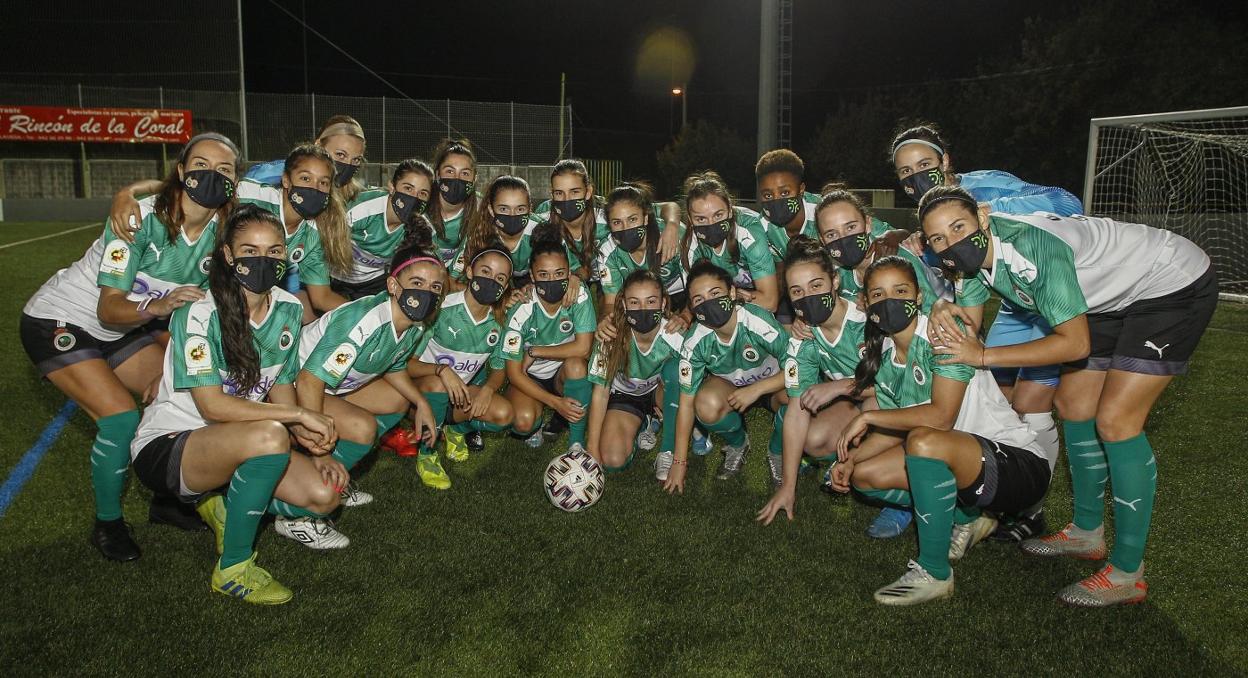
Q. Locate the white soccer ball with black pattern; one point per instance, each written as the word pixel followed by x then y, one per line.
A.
pixel 573 480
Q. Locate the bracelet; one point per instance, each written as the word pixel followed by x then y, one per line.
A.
pixel 528 350
pixel 437 371
pixel 142 309
pixel 680 461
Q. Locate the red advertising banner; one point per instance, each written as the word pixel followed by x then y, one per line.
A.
pixel 114 125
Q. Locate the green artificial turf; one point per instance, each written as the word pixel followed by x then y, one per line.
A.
pixel 487 578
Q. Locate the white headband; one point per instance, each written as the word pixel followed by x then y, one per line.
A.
pixel 934 147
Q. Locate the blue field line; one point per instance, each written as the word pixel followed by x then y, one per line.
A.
pixel 26 465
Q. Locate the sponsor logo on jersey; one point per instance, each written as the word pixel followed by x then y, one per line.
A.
pixel 513 342
pixel 257 392
pixel 140 287
pixel 287 338
pixel 116 257
pixel 197 356
pixel 466 367
pixel 63 339
pixel 340 359
pixel 492 339
pixel 920 377
pixel 750 354
pixel 565 326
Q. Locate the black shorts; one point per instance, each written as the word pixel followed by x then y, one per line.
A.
pixel 1010 480
pixel 353 291
pixel 549 384
pixel 639 406
pixel 53 344
pixel 159 466
pixel 1153 336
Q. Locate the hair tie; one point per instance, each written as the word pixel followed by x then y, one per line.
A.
pixel 939 151
pixel 414 260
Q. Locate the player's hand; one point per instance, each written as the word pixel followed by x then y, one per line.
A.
pixel 574 290
pixel 481 403
pixel 669 241
pixel 782 500
pixel 914 244
pixel 306 439
pixel 455 390
pixel 606 332
pixel 842 472
pixel 333 473
pixel 516 297
pixel 741 399
pixel 800 330
pixel 124 217
pixel 424 428
pixel 746 296
pixel 676 324
pixel 177 298
pixel 821 394
pixel 944 319
pixel 675 483
pixel 323 435
pixel 569 409
pixel 959 349
pixel 851 435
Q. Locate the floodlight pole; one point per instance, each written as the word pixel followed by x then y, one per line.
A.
pixel 768 70
pixel 242 84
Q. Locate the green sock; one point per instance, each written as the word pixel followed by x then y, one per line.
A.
pixel 278 507
pixel 487 427
pixel 730 428
pixel 935 496
pixel 894 497
pixel 350 453
pixel 385 422
pixel 775 445
pixel 671 402
pixel 110 458
pixel 581 391
pixel 463 428
pixel 965 515
pixel 438 402
pixel 251 486
pixel 1088 472
pixel 622 467
pixel 1134 471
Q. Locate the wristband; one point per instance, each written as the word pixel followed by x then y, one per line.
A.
pixel 528 350
pixel 680 461
pixel 142 309
pixel 437 371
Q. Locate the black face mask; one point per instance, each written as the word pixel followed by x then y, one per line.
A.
pixel 551 291
pixel 406 205
pixel 569 210
pixel 454 191
pixel 343 171
pixel 781 210
pixel 714 313
pixel 630 238
pixel 713 235
pixel 511 224
pixel 307 201
pixel 918 184
pixel 208 188
pixel 850 250
pixel 967 255
pixel 643 320
pixel 259 274
pixel 417 304
pixel 893 315
pixel 485 290
pixel 815 309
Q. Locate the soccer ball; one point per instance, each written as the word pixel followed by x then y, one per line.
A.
pixel 573 480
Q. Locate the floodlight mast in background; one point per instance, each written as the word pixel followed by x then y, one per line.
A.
pixel 242 84
pixel 768 69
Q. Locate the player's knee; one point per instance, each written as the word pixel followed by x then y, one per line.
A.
pixel 268 437
pixel 358 429
pixel 501 413
pixel 322 498
pixel 524 420
pixel 926 442
pixel 865 478
pixel 709 406
pixel 1111 428
pixel 575 368
pixel 1073 407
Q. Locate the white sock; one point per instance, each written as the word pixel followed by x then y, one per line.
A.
pixel 1042 424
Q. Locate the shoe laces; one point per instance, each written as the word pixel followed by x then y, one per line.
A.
pixel 915 574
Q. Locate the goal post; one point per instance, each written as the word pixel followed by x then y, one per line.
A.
pixel 1186 171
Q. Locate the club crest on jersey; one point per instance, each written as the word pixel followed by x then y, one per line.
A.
pixel 513 342
pixel 862 351
pixel 197 355
pixel 750 354
pixel 284 342
pixel 115 258
pixel 64 340
pixel 492 339
pixel 1023 296
pixel 565 326
pixel 920 377
pixel 296 255
pixel 203 265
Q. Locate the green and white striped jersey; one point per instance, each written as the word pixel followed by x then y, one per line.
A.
pixel 304 255
pixel 355 343
pixel 195 357
pixel 152 267
pixel 462 342
pixel 614 265
pixel 754 259
pixel 817 359
pixel 778 236
pixel 373 242
pixel 752 354
pixel 529 324
pixel 520 255
pixel 644 371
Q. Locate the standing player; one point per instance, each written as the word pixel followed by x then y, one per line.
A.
pixel 729 237
pixel 504 217
pixel 634 244
pixel 229 352
pixel 921 159
pixel 547 345
pixel 456 205
pixel 963 449
pixel 1128 305
pixel 354 370
pixel 628 372
pixel 788 209
pixel 82 328
pixel 379 221
pixel 729 363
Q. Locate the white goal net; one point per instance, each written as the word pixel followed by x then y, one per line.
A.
pixel 1187 172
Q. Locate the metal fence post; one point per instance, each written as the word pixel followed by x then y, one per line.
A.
pixel 82 149
pixel 164 151
pixel 383 134
pixel 448 118
pixel 513 135
pixel 314 114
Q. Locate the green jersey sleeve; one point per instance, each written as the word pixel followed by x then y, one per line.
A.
pixel 584 318
pixel 497 362
pixel 290 369
pixel 598 365
pixel 312 268
pixel 194 339
pixel 801 367
pixel 692 364
pixel 970 291
pixel 120 263
pixel 332 357
pixel 1056 291
pixel 513 337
